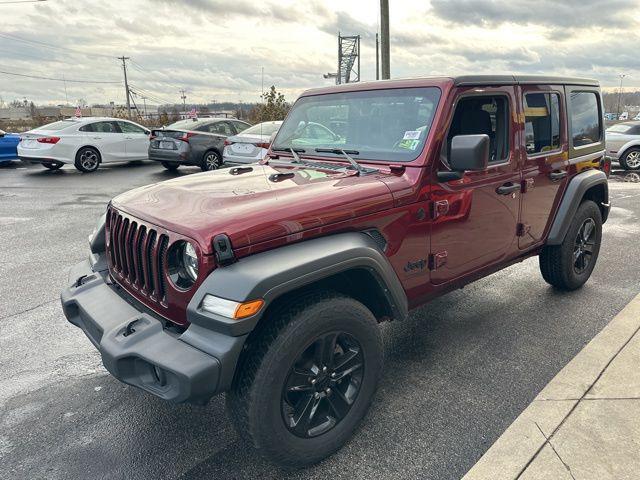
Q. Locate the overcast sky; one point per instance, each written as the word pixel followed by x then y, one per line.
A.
pixel 215 49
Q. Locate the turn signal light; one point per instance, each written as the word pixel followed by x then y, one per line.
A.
pixel 248 308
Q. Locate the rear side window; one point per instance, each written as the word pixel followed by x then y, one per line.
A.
pixel 586 125
pixel 542 122
pixel 87 128
pixel 127 127
pixel 105 127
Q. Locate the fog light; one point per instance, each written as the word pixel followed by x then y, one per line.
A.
pixel 229 308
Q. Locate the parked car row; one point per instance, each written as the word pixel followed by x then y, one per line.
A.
pixel 89 142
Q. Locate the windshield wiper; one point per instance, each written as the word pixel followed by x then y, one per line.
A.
pixel 345 153
pixel 294 153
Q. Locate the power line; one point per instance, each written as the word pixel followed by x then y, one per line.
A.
pixel 38 77
pixel 49 45
pixel 22 1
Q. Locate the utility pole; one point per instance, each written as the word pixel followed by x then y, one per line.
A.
pixel 144 100
pixel 377 57
pixel 622 75
pixel 183 96
pixel 126 84
pixel 384 34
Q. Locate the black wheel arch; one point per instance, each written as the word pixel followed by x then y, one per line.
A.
pixel 591 185
pixel 348 263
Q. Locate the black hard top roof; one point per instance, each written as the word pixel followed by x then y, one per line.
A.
pixel 470 80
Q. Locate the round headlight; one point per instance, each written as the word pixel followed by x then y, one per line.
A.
pixel 190 260
pixel 182 260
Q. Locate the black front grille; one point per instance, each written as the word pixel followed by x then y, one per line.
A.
pixel 137 255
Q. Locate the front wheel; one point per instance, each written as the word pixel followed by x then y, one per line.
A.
pixel 631 159
pixel 569 265
pixel 307 379
pixel 87 160
pixel 211 161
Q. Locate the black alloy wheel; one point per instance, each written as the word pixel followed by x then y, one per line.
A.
pixel 584 246
pixel 322 385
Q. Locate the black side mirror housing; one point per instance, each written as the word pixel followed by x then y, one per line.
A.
pixel 468 153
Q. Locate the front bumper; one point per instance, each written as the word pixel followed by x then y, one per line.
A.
pixel 138 349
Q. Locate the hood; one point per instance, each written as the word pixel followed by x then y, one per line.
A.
pixel 255 206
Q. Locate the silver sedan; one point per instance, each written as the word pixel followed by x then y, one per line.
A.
pixel 251 145
pixel 623 144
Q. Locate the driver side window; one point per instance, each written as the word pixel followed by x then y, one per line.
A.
pixel 483 115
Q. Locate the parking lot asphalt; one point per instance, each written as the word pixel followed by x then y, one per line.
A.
pixel 457 373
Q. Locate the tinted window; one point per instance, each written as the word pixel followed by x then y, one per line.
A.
pixel 105 127
pixel 241 126
pixel 542 122
pixel 127 127
pixel 390 124
pixel 585 118
pixel 221 128
pixel 480 115
pixel 87 128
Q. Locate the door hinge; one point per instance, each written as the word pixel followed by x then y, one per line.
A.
pixel 437 260
pixel 439 208
pixel 522 229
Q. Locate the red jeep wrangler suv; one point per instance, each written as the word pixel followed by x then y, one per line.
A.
pixel 268 281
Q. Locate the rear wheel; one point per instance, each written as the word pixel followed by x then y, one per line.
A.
pixel 172 167
pixel 211 161
pixel 307 381
pixel 87 160
pixel 52 165
pixel 631 159
pixel 569 265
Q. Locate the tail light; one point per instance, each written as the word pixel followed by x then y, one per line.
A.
pixel 152 136
pixel 186 137
pixel 263 145
pixel 227 143
pixel 51 140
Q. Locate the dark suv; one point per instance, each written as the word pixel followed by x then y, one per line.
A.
pixel 194 141
pixel 268 282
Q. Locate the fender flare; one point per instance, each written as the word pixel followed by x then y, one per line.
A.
pixel 270 274
pixel 571 200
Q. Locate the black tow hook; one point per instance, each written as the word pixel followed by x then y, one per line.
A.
pixel 129 330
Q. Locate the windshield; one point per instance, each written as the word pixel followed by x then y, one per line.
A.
pixel 620 128
pixel 390 125
pixel 58 125
pixel 265 128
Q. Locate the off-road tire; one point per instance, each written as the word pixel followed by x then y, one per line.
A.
pixel 626 161
pixel 557 262
pixel 87 159
pixel 53 165
pixel 172 167
pixel 254 401
pixel 211 160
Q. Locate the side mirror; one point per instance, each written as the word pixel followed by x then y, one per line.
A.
pixel 468 153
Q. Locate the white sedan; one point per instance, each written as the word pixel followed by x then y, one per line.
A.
pixel 84 142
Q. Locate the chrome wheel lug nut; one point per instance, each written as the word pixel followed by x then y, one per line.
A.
pixel 313 381
pixel 333 375
pixel 324 369
pixel 328 391
pixel 317 395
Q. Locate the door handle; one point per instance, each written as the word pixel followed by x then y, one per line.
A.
pixel 508 188
pixel 559 175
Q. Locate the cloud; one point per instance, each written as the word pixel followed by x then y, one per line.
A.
pixel 551 14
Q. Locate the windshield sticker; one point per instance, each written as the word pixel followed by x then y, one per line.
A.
pixel 411 135
pixel 409 144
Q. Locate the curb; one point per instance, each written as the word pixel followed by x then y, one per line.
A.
pixel 527 438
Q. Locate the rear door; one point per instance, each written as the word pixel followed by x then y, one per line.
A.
pixel 136 140
pixel 108 138
pixel 544 158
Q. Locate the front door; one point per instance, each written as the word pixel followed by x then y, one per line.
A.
pixel 136 141
pixel 544 159
pixel 476 217
pixel 108 138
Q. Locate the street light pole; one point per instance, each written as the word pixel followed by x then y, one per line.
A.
pixel 622 75
pixel 385 56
